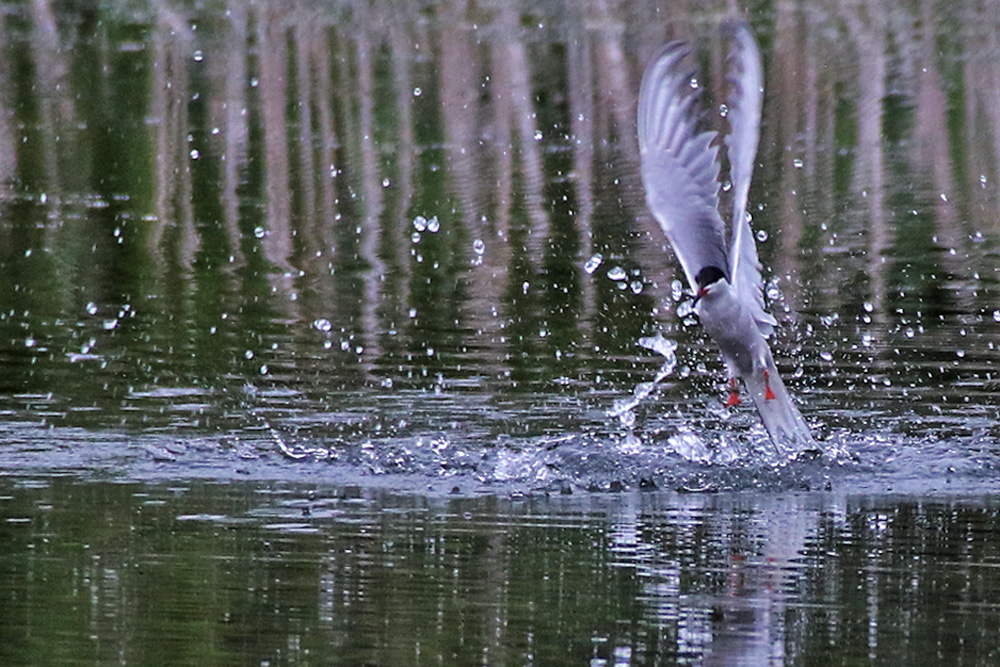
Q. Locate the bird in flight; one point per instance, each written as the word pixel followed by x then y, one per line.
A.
pixel 680 172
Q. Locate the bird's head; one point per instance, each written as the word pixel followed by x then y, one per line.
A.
pixel 708 279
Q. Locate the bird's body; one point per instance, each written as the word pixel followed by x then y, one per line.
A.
pixel 680 171
pixel 743 347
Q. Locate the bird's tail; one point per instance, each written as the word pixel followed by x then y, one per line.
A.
pixel 783 421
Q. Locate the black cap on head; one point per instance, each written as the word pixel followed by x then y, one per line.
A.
pixel 709 275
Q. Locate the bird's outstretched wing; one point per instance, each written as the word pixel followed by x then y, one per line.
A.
pixel 680 169
pixel 746 94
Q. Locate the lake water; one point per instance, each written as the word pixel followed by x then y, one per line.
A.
pixel 320 338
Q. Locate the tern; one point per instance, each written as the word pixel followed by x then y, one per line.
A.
pixel 680 172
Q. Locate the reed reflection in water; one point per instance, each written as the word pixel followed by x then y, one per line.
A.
pixel 351 250
pixel 321 200
pixel 188 155
pixel 221 573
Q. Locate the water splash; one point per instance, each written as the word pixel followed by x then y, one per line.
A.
pixel 623 409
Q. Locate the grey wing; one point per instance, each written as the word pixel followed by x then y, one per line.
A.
pixel 746 95
pixel 680 169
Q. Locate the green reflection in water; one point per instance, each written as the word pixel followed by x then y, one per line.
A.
pixel 276 574
pixel 214 199
pixel 209 269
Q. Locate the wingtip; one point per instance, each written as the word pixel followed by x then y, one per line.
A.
pixel 660 67
pixel 667 63
pixel 732 27
pixel 666 75
pixel 678 46
pixel 665 59
pixel 743 58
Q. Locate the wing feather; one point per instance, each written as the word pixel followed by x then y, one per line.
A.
pixel 680 167
pixel 746 95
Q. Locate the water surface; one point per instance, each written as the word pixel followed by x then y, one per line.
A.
pixel 320 340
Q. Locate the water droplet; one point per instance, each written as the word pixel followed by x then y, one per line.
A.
pixel 723 110
pixel 433 225
pixel 386 182
pixel 30 341
pixel 259 232
pixel 110 325
pixel 960 353
pixel 538 135
pixel 263 369
pixel 478 247
pixel 676 290
pixel 248 354
pixel 199 56
pixel 430 352
pixel 386 383
pixel 761 235
pixel 345 345
pixel 996 315
pixel 616 273
pixel 626 418
pixel 797 163
pixel 322 324
pixel 826 355
pixel 693 82
pixel 417 92
pixel 944 197
pixel 866 340
pixel 420 223
pixel 635 286
pixel 92 308
pixel 663 346
pixel 412 313
pixel 909 333
pixel 593 263
pixel 194 154
pixel 415 237
pixel 869 307
pixel 524 287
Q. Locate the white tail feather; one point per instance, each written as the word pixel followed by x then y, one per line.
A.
pixel 783 421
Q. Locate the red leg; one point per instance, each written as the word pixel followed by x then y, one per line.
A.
pixel 734 394
pixel 768 394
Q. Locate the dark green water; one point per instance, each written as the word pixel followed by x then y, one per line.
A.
pixel 273 573
pixel 319 341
